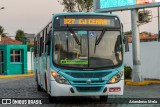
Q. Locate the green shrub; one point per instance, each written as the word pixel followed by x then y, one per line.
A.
pixel 127 72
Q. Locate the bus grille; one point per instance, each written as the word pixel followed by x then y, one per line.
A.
pixel 84 82
pixel 88 89
pixel 88 75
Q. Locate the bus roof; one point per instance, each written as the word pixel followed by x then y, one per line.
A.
pixel 84 13
pixel 78 13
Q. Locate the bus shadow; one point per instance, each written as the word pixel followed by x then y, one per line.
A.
pixel 80 101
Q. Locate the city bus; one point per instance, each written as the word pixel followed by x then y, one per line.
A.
pixel 80 54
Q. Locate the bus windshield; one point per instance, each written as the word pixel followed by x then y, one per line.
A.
pixel 87 49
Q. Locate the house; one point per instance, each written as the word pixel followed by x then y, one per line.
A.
pixel 13 57
pixel 30 38
pixel 145 37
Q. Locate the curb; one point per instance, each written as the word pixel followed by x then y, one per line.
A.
pixel 16 76
pixel 146 82
pixel 30 71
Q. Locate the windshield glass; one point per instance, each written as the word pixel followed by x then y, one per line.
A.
pixel 87 49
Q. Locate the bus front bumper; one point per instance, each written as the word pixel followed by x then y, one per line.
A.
pixel 68 90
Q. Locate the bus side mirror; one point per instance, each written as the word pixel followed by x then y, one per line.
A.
pixel 159 36
pixel 126 44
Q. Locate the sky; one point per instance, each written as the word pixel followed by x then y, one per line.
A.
pixel 32 15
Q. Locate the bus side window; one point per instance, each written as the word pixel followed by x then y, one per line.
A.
pixel 48 40
pixel 40 53
pixel 35 47
pixel 43 43
pixel 38 46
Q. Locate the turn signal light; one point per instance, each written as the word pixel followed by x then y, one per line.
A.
pixel 113 80
pixel 54 74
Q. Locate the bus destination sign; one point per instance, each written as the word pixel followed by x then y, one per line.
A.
pixel 87 21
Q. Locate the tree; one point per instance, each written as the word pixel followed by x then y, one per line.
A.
pixel 77 5
pixel 128 33
pixel 20 35
pixel 2 32
pixel 145 32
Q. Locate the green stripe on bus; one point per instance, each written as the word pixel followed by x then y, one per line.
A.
pixel 78 62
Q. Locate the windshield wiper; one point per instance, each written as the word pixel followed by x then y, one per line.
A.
pixel 100 37
pixel 99 40
pixel 75 37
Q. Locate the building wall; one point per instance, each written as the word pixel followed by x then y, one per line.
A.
pixel 150 59
pixel 18 67
pixel 30 61
pixel 4 49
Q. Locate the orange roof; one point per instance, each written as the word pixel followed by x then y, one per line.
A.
pixel 129 39
pixel 154 36
pixel 144 36
pixel 7 40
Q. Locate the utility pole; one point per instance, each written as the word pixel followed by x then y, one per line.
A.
pixel 94 5
pixel 136 74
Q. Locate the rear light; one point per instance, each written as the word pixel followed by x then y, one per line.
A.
pixel 115 89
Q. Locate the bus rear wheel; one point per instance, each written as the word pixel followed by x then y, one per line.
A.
pixel 38 86
pixel 104 98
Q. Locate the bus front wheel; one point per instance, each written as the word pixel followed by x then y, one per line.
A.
pixel 52 99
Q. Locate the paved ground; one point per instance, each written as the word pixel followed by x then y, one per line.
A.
pixel 26 88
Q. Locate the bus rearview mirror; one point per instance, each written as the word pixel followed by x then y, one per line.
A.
pixel 159 36
pixel 126 44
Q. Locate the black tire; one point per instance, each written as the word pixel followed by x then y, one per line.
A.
pixel 38 86
pixel 36 78
pixel 104 98
pixel 46 83
pixel 52 99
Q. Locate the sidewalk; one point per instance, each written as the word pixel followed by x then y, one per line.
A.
pixel 145 82
pixel 15 76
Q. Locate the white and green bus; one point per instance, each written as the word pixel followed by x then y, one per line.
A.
pixel 80 54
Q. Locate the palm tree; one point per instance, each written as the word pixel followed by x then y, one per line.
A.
pixel 2 31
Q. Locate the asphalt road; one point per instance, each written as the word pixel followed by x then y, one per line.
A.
pixel 26 88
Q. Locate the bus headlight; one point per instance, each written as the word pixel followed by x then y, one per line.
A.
pixel 59 79
pixel 116 78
